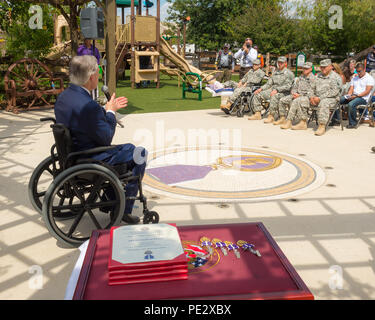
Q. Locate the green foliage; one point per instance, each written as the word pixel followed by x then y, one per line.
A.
pixel 211 21
pixel 10 11
pixel 22 41
pixel 276 28
pixel 358 29
pixel 268 25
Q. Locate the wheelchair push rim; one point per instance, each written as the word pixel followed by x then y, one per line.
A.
pixel 42 175
pixel 88 200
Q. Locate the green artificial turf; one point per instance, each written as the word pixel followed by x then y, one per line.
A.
pixel 167 98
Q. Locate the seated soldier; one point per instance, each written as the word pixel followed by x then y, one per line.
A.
pixel 277 87
pixel 246 84
pixel 93 126
pixel 298 100
pixel 326 93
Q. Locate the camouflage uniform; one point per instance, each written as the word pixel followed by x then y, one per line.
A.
pixel 328 90
pixel 249 80
pixel 282 81
pixel 299 106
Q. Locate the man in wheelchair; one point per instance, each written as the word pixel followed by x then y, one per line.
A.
pixel 245 86
pixel 93 126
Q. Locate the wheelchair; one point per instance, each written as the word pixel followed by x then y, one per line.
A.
pixel 243 104
pixel 76 194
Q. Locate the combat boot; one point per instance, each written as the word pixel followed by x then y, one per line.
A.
pixel 280 121
pixel 286 125
pixel 269 119
pixel 321 130
pixel 226 106
pixel 255 116
pixel 302 125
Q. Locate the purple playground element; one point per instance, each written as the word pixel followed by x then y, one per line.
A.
pixel 179 173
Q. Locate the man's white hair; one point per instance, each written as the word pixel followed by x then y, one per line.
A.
pixel 81 69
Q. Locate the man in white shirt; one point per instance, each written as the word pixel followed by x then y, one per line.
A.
pixel 246 55
pixel 358 94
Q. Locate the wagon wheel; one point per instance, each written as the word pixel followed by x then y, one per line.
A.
pixel 28 76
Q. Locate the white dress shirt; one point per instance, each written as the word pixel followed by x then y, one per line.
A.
pixel 88 91
pixel 360 84
pixel 246 59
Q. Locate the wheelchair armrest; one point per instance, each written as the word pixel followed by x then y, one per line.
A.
pixel 48 119
pixel 89 152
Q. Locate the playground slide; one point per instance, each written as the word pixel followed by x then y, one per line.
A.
pixel 182 65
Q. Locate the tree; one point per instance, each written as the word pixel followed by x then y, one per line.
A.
pixel 71 10
pixel 21 40
pixel 211 21
pixel 267 23
pixel 323 32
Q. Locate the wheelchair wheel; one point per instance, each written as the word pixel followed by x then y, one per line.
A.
pixel 86 188
pixel 239 113
pixel 39 182
pixel 150 217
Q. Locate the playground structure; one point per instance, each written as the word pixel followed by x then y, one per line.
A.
pixel 139 32
pixel 137 38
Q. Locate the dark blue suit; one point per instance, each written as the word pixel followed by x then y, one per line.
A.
pixel 90 127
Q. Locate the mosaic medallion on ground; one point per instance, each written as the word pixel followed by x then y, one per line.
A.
pixel 217 173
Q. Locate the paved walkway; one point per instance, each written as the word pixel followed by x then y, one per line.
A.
pixel 323 232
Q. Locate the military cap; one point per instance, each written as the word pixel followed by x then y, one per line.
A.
pixel 281 59
pixel 325 63
pixel 256 61
pixel 307 65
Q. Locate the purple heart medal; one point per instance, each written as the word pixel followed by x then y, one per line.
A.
pixel 220 244
pixel 206 243
pixel 248 246
pixel 234 247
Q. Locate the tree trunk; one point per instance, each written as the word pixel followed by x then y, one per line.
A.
pixel 73 24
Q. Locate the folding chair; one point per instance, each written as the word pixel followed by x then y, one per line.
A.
pixel 314 112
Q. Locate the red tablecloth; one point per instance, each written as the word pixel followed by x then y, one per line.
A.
pixel 224 277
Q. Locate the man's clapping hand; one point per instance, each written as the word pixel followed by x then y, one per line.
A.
pixel 116 103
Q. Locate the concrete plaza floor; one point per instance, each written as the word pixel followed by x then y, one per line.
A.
pixel 327 232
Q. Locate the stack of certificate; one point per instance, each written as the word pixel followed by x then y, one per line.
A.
pixel 146 253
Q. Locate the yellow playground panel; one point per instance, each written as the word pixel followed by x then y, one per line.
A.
pixel 144 30
pixel 146 74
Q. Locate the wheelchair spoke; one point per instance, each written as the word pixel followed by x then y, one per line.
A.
pixel 71 207
pixel 41 194
pixel 96 187
pixel 78 193
pixel 75 223
pixel 92 216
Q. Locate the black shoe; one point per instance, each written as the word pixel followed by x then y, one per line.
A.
pixel 128 218
pixel 373 149
pixel 350 126
pixel 334 123
pixel 226 111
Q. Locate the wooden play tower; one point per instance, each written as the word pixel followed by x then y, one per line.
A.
pixel 138 35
